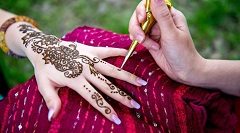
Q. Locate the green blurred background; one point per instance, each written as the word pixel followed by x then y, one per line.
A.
pixel 214 25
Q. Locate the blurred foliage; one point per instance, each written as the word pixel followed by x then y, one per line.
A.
pixel 214 24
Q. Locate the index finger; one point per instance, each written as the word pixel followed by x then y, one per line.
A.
pixel 138 17
pixel 115 72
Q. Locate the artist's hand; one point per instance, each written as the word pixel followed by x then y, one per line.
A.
pixel 169 42
pixel 59 64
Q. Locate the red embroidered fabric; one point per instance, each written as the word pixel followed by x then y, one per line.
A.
pixel 237 111
pixel 166 106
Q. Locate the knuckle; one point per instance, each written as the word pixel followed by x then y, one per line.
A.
pixel 147 45
pixel 123 97
pixel 138 9
pixel 52 102
pixel 130 76
pixel 113 71
pixel 165 14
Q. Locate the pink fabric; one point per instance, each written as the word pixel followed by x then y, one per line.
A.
pixel 166 106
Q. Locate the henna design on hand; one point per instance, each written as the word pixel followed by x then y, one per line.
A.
pixel 117 90
pixel 114 88
pixel 99 100
pixel 66 59
pixel 62 57
pixel 86 88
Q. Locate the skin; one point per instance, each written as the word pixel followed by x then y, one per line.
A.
pixel 172 47
pixel 53 59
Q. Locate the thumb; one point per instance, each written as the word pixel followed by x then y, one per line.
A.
pixel 163 17
pixel 50 95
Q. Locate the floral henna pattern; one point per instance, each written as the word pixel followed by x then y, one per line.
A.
pixel 64 58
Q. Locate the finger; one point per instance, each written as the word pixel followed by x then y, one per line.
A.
pixel 135 28
pixel 163 17
pixel 115 72
pixel 95 99
pixel 141 12
pixel 50 95
pixel 150 44
pixel 155 31
pixel 111 90
pixel 179 19
pixel 103 52
pixel 131 37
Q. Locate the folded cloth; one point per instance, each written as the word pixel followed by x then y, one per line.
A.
pixel 166 106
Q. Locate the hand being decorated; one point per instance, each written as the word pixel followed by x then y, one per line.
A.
pixel 59 63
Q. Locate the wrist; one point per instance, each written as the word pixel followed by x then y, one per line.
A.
pixel 222 75
pixel 8 31
pixel 195 75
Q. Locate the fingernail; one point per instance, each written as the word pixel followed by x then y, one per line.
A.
pixel 116 120
pixel 141 81
pixel 135 104
pixel 155 47
pixel 50 114
pixel 139 38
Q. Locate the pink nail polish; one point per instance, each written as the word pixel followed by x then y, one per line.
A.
pixel 50 114
pixel 141 81
pixel 135 104
pixel 115 119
